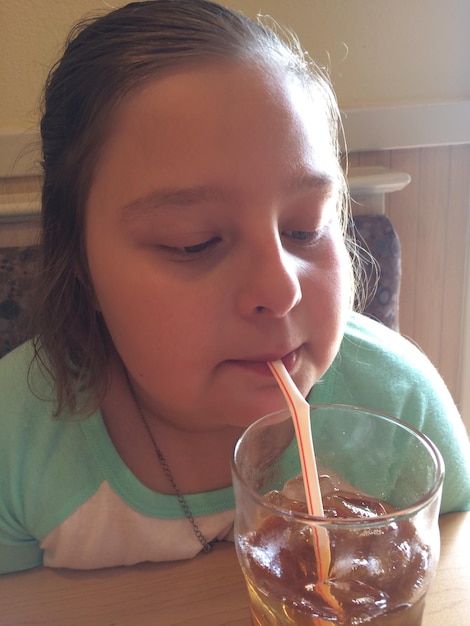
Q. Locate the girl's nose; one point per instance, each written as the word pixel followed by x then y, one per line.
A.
pixel 270 283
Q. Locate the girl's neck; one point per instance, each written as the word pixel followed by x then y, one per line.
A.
pixel 198 461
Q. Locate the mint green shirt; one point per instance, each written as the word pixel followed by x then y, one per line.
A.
pixel 68 500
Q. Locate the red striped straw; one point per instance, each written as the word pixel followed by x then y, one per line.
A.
pixel 300 411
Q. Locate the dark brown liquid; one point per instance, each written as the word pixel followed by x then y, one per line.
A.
pixel 375 573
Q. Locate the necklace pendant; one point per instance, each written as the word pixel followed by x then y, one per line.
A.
pixel 209 546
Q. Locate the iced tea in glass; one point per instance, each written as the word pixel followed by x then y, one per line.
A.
pixel 381 482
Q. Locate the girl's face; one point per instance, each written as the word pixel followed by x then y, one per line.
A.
pixel 214 245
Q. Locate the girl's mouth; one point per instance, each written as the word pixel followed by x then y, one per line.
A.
pixel 259 365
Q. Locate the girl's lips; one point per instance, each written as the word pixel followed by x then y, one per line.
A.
pixel 261 366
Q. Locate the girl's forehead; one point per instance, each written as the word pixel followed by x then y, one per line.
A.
pixel 260 93
pixel 212 123
pixel 219 80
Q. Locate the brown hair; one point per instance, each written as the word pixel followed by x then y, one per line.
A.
pixel 104 59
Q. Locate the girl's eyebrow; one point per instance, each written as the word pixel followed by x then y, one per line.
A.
pixel 311 181
pixel 169 198
pixel 185 197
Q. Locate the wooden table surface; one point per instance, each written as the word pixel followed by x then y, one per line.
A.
pixel 206 591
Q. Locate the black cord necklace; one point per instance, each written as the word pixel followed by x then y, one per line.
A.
pixel 206 545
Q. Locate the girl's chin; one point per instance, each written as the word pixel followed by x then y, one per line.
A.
pixel 253 414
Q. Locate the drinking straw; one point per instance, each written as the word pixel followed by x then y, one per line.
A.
pixel 300 412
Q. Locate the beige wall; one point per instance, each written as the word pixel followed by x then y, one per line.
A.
pixel 379 51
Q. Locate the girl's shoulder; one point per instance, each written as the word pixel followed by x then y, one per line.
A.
pixel 379 368
pixel 368 334
pixel 24 386
pixel 368 345
pixel 22 354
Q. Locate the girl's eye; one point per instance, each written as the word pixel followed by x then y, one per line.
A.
pixel 303 236
pixel 195 250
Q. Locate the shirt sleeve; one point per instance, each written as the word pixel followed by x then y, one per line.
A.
pixel 440 420
pixel 18 554
pixel 19 549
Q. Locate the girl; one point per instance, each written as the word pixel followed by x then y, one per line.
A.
pixel 192 229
